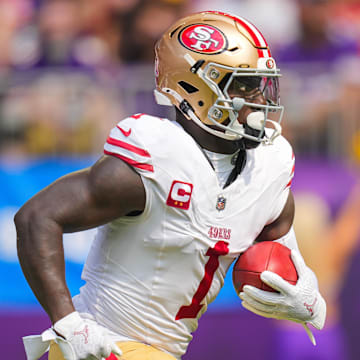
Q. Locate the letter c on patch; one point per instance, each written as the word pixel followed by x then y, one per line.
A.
pixel 180 195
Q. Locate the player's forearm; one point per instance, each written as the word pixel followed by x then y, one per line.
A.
pixel 41 255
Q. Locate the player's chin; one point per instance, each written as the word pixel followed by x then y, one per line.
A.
pixel 248 143
pixel 243 142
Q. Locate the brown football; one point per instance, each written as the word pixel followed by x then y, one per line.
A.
pixel 267 255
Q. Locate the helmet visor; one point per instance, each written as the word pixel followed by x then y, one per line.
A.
pixel 248 87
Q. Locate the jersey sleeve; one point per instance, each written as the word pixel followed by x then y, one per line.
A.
pixel 283 181
pixel 126 141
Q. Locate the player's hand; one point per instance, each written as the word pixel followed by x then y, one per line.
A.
pixel 301 303
pixel 84 339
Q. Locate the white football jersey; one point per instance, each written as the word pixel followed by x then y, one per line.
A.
pixel 150 277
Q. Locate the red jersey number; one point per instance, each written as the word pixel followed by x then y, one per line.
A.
pixel 191 311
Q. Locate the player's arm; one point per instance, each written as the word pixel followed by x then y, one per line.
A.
pixel 81 200
pixel 282 225
pixel 302 302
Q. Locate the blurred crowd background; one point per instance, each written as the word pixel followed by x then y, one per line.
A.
pixel 71 69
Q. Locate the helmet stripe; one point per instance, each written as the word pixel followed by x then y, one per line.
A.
pixel 255 34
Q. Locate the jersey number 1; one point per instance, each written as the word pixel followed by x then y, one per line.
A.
pixel 191 311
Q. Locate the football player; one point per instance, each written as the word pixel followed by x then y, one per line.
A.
pixel 175 203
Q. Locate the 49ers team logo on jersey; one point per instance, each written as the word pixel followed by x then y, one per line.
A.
pixel 203 39
pixel 180 195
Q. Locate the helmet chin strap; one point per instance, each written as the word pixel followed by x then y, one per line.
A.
pixel 225 135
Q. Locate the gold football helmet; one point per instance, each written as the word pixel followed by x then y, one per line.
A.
pixel 205 55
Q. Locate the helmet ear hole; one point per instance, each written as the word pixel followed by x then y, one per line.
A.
pixel 190 89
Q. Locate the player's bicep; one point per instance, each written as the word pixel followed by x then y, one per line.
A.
pixel 282 224
pixel 110 189
pixel 91 197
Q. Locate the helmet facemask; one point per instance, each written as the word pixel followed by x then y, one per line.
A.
pixel 224 112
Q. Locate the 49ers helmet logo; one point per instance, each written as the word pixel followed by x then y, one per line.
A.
pixel 203 39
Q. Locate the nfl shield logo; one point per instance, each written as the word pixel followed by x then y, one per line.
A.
pixel 221 201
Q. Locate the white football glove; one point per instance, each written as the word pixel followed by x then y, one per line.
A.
pixel 78 339
pixel 301 303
